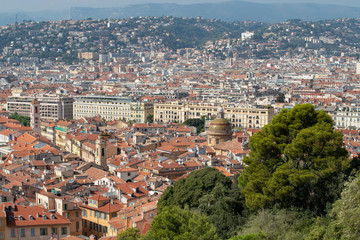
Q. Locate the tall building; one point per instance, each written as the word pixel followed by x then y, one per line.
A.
pixel 52 107
pixel 35 116
pixel 357 68
pixel 112 108
pixel 238 116
pixel 100 155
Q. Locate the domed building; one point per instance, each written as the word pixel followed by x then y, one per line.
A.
pixel 220 129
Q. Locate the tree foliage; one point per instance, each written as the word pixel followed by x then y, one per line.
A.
pixel 280 97
pixel 179 224
pixel 129 234
pixel 211 193
pixel 150 118
pixel 24 120
pixel 188 191
pixel 296 160
pixel 199 123
pixel 345 214
pixel 281 224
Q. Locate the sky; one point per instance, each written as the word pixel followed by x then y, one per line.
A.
pixel 41 5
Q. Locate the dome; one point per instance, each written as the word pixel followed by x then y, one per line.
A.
pixel 220 126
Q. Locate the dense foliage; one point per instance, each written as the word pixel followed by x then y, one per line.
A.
pixel 129 234
pixel 178 224
pixel 297 160
pixel 22 119
pixel 199 123
pixel 211 193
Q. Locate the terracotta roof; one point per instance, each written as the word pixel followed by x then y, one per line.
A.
pixel 37 213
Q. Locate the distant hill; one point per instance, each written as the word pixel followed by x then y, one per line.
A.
pixel 10 18
pixel 229 11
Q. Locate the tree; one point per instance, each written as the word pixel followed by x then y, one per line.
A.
pixel 179 224
pixel 280 97
pixel 188 191
pixel 199 123
pixel 211 193
pixel 129 234
pixel 280 224
pixel 24 120
pixel 296 160
pixel 150 118
pixel 345 214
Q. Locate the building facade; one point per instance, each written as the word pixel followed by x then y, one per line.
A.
pixel 52 107
pixel 348 117
pixel 238 116
pixel 112 108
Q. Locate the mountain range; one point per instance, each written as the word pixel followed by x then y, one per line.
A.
pixel 232 10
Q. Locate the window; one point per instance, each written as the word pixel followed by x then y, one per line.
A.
pixel 53 231
pixel 64 230
pixel 23 232
pixel 77 226
pixel 1 235
pixel 12 232
pixel 77 214
pixel 43 231
pixel 33 232
pixel 105 229
pixel 65 206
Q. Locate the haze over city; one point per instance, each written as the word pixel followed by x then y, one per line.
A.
pixel 40 5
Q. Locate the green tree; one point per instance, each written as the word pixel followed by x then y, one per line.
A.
pixel 345 214
pixel 280 97
pixel 24 120
pixel 281 224
pixel 188 191
pixel 225 208
pixel 150 118
pixel 211 193
pixel 129 234
pixel 296 160
pixel 199 123
pixel 178 224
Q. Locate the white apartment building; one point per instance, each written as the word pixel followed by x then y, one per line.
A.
pixel 111 108
pixel 238 116
pixel 347 118
pixel 52 106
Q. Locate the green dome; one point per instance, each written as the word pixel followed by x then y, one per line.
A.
pixel 220 126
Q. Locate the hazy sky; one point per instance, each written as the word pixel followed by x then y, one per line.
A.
pixel 35 5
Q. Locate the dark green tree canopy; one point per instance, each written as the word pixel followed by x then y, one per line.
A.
pixel 296 160
pixel 179 224
pixel 187 191
pixel 129 234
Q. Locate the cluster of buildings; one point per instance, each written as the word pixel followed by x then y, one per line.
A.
pixel 107 101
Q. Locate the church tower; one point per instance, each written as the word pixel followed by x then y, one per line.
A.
pixel 100 155
pixel 35 116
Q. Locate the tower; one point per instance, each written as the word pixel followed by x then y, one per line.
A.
pixel 35 116
pixel 100 144
pixel 220 129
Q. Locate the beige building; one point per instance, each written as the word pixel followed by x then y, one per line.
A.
pixel 52 107
pixel 238 116
pixel 34 223
pixel 112 108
